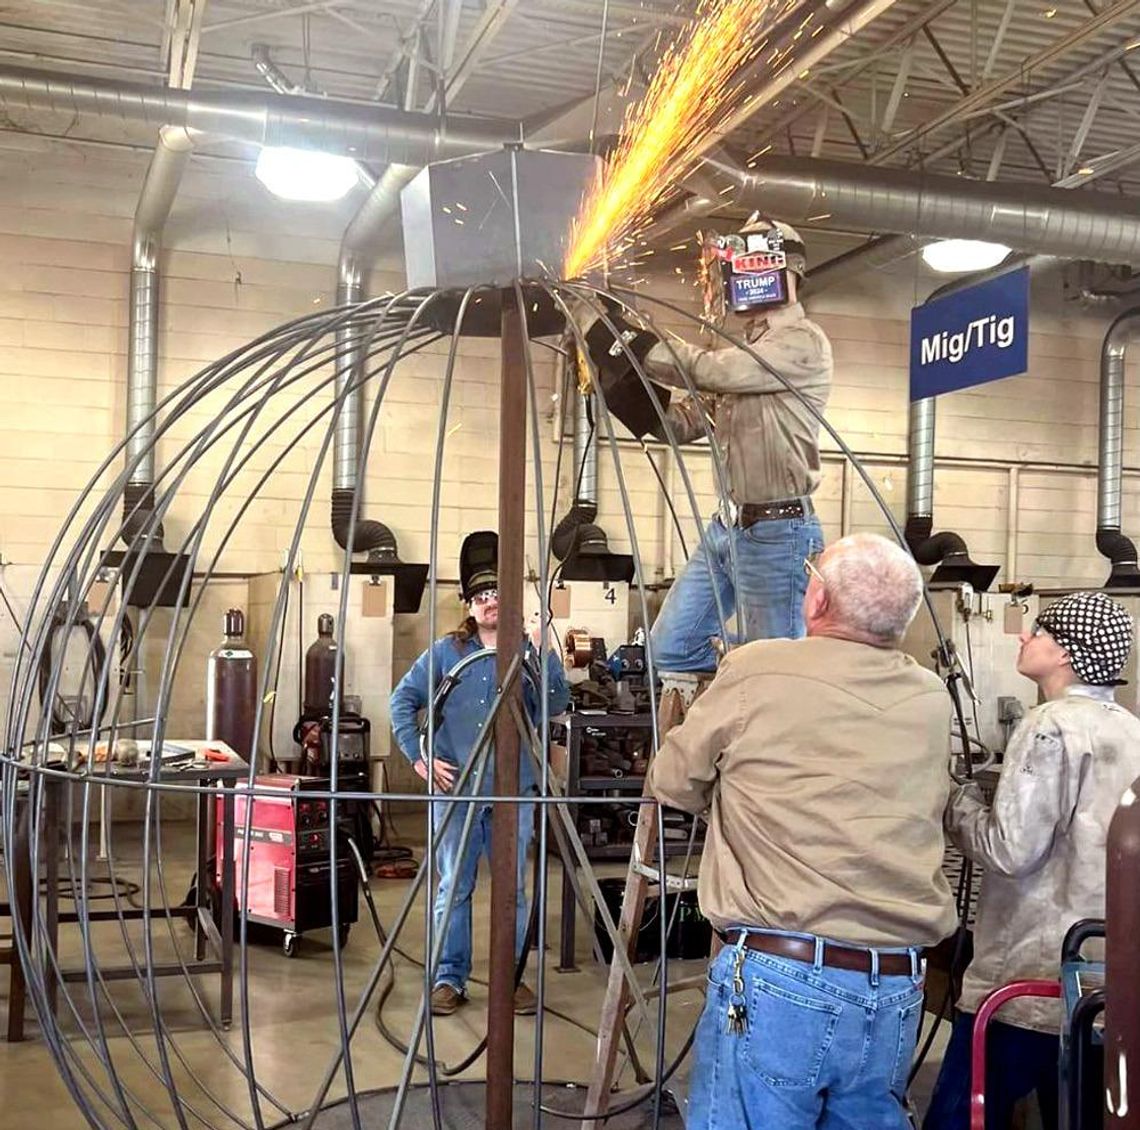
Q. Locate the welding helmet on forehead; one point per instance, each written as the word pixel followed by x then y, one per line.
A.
pixel 746 271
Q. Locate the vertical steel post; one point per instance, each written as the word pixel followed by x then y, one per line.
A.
pixel 1122 967
pixel 504 822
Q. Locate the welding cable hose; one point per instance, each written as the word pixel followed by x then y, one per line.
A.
pixel 389 983
pixel 96 660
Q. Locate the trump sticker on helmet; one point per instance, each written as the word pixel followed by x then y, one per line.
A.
pixel 746 291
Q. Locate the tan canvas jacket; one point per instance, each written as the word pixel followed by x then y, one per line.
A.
pixel 769 440
pixel 822 764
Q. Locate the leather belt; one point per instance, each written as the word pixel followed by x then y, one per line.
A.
pixel 836 957
pixel 752 512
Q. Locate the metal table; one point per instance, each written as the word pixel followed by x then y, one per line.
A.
pixel 213 939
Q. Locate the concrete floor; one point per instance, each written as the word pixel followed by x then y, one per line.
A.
pixel 292 1017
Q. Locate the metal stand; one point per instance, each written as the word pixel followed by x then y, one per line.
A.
pixel 504 822
pixel 1122 967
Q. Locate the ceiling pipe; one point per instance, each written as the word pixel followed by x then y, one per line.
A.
pixel 160 186
pixel 1110 541
pixel 357 249
pixel 1050 221
pixel 879 252
pixel 368 132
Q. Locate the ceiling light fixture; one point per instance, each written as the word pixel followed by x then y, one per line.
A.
pixel 949 256
pixel 305 174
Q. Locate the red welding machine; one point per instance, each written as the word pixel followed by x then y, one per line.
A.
pixel 290 858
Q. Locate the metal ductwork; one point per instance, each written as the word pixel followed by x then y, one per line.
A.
pixel 357 248
pixel 874 254
pixel 1110 541
pixel 163 176
pixel 1049 221
pixel 368 132
pixel 947 551
pixel 584 509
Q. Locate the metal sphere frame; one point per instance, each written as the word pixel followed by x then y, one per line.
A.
pixel 286 385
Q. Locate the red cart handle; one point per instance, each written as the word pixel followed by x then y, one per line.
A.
pixel 978 1047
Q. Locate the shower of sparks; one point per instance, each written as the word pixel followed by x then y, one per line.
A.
pixel 696 86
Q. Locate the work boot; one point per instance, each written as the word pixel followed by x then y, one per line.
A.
pixel 526 1003
pixel 445 999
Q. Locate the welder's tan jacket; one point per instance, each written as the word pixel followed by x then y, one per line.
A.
pixel 823 766
pixel 769 440
pixel 1042 843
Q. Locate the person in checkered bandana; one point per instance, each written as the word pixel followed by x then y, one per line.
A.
pixel 1041 848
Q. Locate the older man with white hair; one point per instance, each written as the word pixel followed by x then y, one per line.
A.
pixel 822 766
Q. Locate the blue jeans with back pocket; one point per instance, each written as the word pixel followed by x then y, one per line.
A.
pixel 820 1048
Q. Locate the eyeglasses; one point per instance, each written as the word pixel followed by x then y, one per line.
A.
pixel 485 597
pixel 1039 629
pixel 810 569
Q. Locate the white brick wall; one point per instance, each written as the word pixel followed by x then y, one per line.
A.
pixel 239 262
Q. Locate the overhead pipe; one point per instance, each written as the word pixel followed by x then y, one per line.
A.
pixel 1110 541
pixel 357 247
pixel 1048 221
pixel 366 131
pixel 160 186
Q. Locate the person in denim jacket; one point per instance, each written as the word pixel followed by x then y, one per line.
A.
pixel 456 734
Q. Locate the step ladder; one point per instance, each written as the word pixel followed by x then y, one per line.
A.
pixel 677 695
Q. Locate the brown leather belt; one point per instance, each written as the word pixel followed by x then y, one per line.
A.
pixel 752 512
pixel 837 957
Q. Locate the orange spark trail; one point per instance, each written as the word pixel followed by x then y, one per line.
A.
pixel 696 85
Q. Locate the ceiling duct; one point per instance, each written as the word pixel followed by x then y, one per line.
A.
pixel 140 532
pixel 357 248
pixel 368 132
pixel 946 551
pixel 160 187
pixel 1110 541
pixel 1047 221
pixel 584 507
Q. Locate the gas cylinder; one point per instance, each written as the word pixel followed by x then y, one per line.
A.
pixel 320 669
pixel 231 688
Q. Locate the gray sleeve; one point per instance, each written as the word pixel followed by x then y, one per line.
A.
pixel 798 353
pixel 1014 835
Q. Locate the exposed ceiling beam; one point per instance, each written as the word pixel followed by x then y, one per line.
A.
pixel 989 92
pixel 898 89
pixel 185 31
pixel 796 62
pixel 276 14
pixel 998 39
pixel 494 18
pixel 1083 127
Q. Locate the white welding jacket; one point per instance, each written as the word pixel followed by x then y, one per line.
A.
pixel 768 438
pixel 1042 843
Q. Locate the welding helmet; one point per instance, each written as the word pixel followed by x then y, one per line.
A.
pixel 479 563
pixel 747 271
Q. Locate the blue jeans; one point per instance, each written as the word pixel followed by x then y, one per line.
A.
pixel 766 591
pixel 1018 1062
pixel 821 1048
pixel 459 871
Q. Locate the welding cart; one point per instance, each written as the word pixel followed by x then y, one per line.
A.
pixel 291 879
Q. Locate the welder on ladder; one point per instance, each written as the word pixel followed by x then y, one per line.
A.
pixel 750 559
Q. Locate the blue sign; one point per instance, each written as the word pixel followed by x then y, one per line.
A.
pixel 972 336
pixel 757 290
